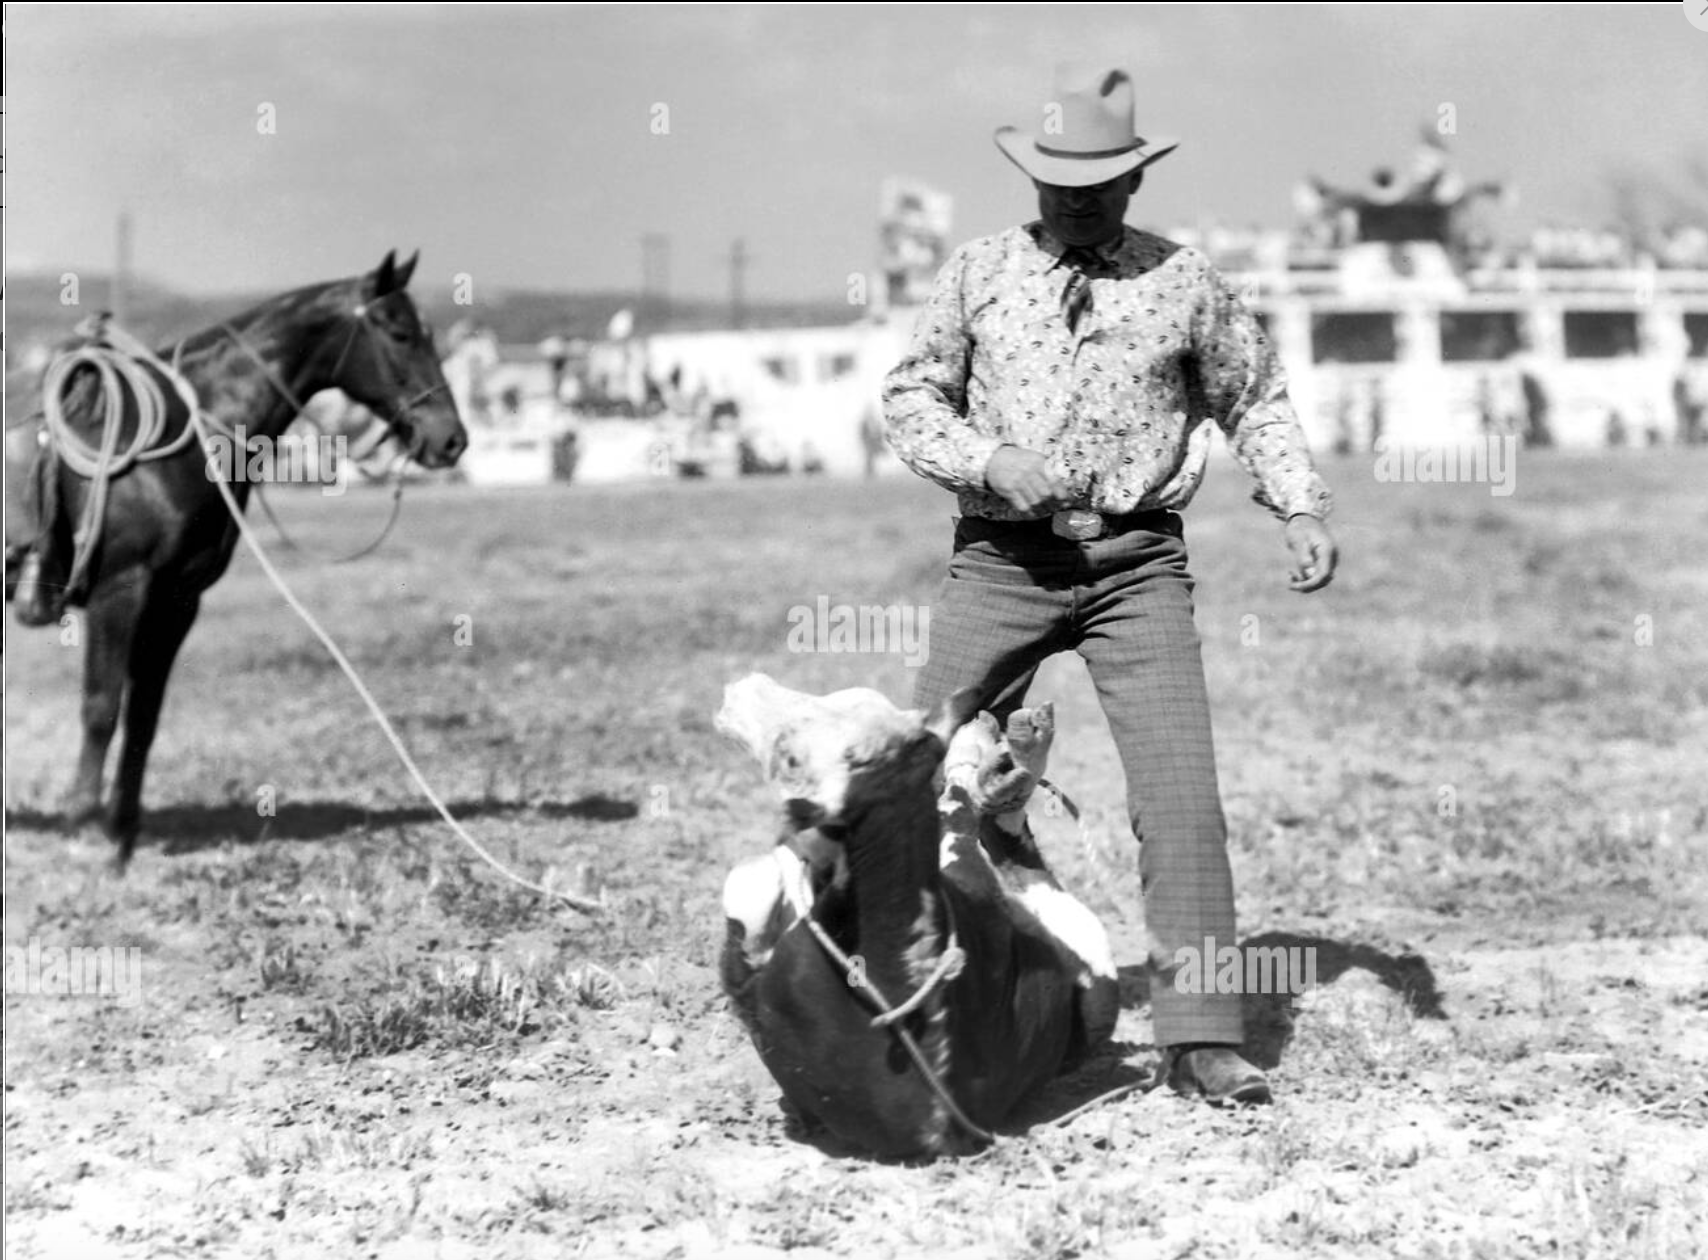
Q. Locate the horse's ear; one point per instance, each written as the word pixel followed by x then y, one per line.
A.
pixel 407 270
pixel 385 275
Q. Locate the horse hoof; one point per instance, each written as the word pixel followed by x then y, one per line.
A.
pixel 123 833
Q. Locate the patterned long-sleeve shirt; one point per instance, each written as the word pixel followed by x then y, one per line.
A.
pixel 1118 407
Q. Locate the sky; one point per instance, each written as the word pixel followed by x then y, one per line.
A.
pixel 533 146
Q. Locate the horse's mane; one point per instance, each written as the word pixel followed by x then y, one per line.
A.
pixel 279 303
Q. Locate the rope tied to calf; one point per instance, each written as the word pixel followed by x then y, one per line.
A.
pixel 949 965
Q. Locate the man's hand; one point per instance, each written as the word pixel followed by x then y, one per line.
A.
pixel 1314 553
pixel 1024 480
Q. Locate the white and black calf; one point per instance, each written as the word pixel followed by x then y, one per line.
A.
pixel 906 835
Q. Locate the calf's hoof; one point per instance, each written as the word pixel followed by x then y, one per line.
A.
pixel 1030 733
pixel 1013 763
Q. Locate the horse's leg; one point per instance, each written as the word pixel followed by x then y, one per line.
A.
pixel 110 621
pixel 165 621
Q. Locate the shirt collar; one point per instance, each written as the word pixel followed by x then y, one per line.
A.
pixel 1045 240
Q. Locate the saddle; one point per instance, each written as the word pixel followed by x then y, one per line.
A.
pixel 40 581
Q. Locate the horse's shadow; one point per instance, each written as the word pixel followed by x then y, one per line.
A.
pixel 191 828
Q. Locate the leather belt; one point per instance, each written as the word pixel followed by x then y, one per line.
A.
pixel 1080 525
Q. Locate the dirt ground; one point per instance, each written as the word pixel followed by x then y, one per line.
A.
pixel 1461 775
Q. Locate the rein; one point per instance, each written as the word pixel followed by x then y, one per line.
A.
pixel 948 967
pixel 395 472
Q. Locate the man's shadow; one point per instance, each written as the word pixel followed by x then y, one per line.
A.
pixel 1270 1017
pixel 1119 1067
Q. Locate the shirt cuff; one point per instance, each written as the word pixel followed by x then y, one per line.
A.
pixel 979 449
pixel 1310 499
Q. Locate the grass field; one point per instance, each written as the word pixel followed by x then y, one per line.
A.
pixel 1473 773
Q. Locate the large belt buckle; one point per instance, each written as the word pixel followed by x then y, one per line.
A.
pixel 1077 524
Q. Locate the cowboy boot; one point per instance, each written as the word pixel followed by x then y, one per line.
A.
pixel 16 554
pixel 35 580
pixel 1215 1073
pixel 37 600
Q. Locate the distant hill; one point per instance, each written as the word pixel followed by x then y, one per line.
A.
pixel 34 311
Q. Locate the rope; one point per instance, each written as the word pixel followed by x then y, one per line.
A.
pixel 887 1014
pixel 580 903
pixel 284 391
pixel 949 966
pixel 373 546
pixel 150 403
pixel 120 362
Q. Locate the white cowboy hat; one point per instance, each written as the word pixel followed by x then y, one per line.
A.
pixel 1087 134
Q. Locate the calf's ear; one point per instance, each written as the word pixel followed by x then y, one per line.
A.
pixel 754 713
pixel 952 713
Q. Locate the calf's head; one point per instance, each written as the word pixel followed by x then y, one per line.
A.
pixel 831 757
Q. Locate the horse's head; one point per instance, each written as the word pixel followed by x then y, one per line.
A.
pixel 390 366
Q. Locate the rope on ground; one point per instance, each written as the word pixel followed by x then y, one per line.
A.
pixel 308 619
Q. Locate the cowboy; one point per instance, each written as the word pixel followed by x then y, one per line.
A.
pixel 1059 382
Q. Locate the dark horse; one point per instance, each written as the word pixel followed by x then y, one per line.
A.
pixel 168 535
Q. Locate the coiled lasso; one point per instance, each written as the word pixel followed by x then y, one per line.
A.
pixel 121 363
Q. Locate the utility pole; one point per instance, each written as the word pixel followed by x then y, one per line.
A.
pixel 118 287
pixel 738 260
pixel 655 272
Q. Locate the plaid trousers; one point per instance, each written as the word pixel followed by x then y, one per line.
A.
pixel 1016 594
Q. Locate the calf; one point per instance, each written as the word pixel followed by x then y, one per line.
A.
pixel 906 840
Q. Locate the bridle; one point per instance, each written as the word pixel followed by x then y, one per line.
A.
pixel 400 407
pixel 394 420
